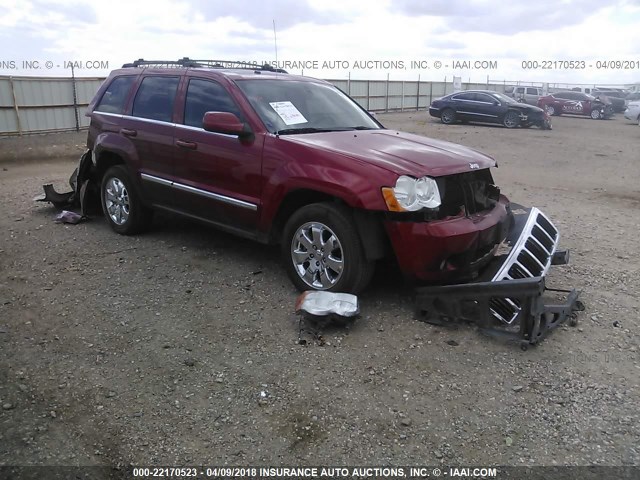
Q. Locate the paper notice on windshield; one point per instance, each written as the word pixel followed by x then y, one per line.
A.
pixel 289 114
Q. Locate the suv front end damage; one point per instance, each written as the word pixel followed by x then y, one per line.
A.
pixel 509 298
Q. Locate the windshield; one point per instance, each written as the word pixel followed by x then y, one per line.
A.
pixel 503 98
pixel 290 107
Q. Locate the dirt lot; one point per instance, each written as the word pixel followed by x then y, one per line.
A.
pixel 155 349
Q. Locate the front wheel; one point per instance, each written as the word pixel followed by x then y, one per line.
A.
pixel 511 119
pixel 550 109
pixel 321 250
pixel 120 202
pixel 448 116
pixel 595 114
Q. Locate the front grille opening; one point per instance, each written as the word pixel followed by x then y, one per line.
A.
pixel 537 251
pixel 547 227
pixel 516 271
pixel 469 192
pixel 543 238
pixel 529 262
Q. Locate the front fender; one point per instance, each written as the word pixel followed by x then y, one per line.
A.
pixel 353 187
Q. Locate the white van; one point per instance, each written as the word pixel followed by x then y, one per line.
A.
pixel 528 95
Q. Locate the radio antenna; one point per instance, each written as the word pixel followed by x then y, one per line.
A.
pixel 275 41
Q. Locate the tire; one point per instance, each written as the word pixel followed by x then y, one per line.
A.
pixel 448 116
pixel 511 119
pixel 343 269
pixel 595 114
pixel 551 110
pixel 121 204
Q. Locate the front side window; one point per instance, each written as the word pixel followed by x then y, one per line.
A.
pixel 116 95
pixel 206 96
pixel 483 97
pixel 155 97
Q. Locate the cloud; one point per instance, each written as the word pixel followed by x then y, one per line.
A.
pixel 66 12
pixel 286 13
pixel 505 18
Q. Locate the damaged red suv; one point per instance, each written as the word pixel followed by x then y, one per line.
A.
pixel 292 160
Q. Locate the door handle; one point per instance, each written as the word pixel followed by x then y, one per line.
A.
pixel 185 144
pixel 128 132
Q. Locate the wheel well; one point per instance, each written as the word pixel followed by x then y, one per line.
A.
pixel 369 225
pixel 105 161
pixel 290 203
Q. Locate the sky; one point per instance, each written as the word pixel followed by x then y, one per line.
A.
pixel 525 41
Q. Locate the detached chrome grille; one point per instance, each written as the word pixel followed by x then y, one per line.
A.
pixel 530 257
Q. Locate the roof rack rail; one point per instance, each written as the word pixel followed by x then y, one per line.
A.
pixel 186 62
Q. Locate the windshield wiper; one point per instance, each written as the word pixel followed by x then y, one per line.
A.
pixel 317 130
pixel 303 130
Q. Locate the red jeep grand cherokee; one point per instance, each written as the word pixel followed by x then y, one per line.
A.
pixel 292 160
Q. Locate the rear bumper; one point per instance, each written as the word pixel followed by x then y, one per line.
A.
pixel 445 251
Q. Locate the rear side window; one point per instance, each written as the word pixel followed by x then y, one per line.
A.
pixel 532 91
pixel 116 95
pixel 155 97
pixel 206 96
pixel 464 96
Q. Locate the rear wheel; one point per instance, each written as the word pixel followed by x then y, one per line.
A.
pixel 321 250
pixel 448 116
pixel 595 114
pixel 121 204
pixel 511 119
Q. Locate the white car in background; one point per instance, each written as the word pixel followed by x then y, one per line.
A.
pixel 633 112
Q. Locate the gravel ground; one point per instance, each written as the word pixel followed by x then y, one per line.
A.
pixel 180 346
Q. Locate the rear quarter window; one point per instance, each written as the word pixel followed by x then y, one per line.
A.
pixel 115 95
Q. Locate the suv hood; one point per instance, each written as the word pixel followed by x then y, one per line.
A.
pixel 399 152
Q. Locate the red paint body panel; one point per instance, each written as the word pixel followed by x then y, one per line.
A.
pixel 241 183
pixel 421 248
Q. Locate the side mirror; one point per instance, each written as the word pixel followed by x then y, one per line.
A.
pixel 223 122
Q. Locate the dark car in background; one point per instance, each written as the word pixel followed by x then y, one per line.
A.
pixel 487 106
pixel 576 103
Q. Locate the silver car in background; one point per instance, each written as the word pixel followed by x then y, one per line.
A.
pixel 633 112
